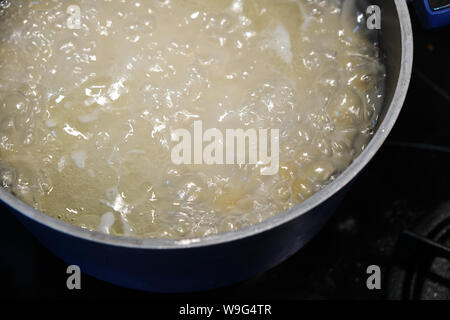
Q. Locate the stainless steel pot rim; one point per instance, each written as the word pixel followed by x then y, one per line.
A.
pixel 276 221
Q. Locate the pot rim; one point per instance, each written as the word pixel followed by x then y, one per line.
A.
pixel 318 198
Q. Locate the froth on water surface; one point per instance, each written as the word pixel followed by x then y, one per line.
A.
pixel 87 113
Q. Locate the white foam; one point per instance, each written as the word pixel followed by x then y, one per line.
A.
pixel 237 6
pixel 278 39
pixel 86 118
pixel 61 164
pixel 50 123
pixel 79 157
pixel 106 222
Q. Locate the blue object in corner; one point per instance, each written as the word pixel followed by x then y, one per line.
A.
pixel 433 13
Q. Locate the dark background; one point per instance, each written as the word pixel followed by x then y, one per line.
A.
pixel 405 186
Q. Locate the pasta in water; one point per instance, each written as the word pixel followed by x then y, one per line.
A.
pixel 91 95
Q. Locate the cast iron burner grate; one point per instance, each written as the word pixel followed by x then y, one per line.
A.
pixel 422 261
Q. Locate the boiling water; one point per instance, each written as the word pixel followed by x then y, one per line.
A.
pixel 87 114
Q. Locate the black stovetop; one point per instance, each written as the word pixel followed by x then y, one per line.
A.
pixel 405 188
